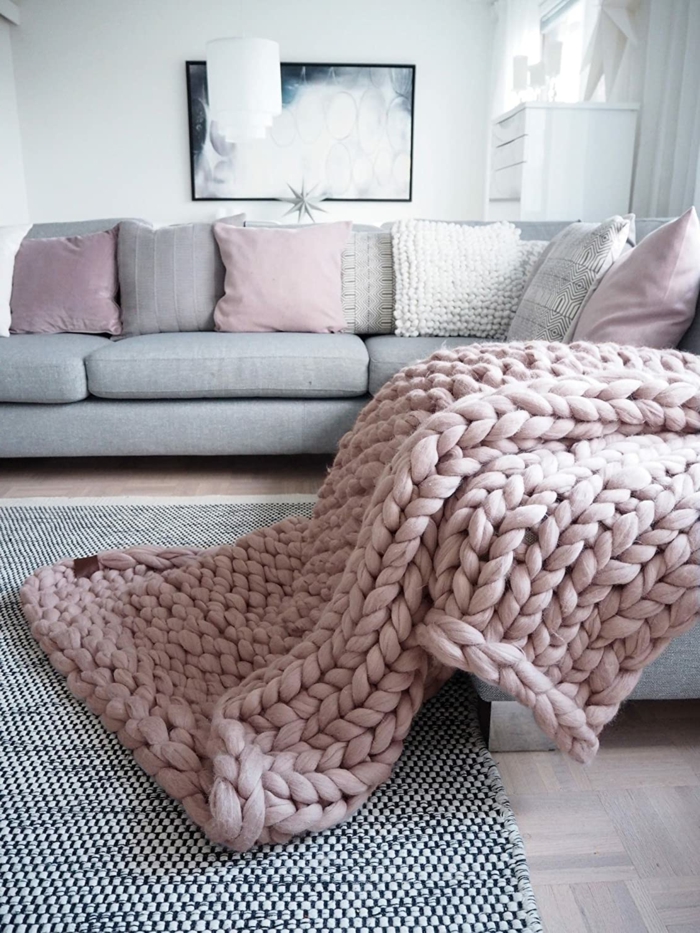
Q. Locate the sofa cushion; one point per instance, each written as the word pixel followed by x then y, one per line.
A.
pixel 214 365
pixel 388 354
pixel 46 368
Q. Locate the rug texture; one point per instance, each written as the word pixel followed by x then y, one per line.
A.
pixel 528 513
pixel 90 844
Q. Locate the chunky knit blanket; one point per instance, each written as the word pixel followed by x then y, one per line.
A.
pixel 527 512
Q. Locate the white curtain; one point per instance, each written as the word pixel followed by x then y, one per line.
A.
pixel 661 70
pixel 667 173
pixel 613 49
pixel 517 33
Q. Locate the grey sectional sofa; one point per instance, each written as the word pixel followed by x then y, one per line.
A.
pixel 199 393
pixel 205 393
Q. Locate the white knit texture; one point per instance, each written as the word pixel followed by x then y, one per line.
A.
pixel 454 280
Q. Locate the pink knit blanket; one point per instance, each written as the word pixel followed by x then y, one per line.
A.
pixel 527 512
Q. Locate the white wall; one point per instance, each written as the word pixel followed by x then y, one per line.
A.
pixel 103 112
pixel 13 199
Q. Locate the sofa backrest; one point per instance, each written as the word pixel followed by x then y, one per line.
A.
pixel 72 228
pixel 690 340
pixel 356 228
pixel 530 230
pixel 548 229
pixel 83 227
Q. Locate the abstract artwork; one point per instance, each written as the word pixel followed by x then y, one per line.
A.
pixel 345 131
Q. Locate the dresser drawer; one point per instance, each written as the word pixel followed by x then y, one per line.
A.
pixel 507 130
pixel 509 153
pixel 506 183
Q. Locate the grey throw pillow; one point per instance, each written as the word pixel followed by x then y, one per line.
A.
pixel 565 275
pixel 170 278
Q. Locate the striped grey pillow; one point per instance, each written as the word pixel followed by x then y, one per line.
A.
pixel 368 283
pixel 170 278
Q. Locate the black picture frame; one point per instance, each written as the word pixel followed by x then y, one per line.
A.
pixel 193 128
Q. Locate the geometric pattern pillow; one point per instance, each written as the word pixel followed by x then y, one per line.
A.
pixel 367 283
pixel 568 272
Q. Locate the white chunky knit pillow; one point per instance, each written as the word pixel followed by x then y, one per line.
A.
pixel 455 280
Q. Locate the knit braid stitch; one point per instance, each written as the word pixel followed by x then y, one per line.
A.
pixel 526 512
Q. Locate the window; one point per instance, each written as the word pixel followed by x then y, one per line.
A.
pixel 562 25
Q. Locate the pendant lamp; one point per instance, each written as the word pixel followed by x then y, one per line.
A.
pixel 245 86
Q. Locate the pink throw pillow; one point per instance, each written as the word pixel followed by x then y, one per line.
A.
pixel 281 279
pixel 649 296
pixel 66 285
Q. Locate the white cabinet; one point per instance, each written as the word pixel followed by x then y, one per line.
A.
pixel 561 162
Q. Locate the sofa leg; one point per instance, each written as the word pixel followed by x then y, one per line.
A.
pixel 483 711
pixel 513 729
pixel 509 727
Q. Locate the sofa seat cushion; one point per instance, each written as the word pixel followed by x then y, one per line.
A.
pixel 214 365
pixel 389 353
pixel 46 368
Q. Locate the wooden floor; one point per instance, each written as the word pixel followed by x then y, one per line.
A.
pixel 613 847
pixel 161 476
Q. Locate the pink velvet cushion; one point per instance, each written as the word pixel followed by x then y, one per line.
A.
pixel 280 279
pixel 66 285
pixel 649 296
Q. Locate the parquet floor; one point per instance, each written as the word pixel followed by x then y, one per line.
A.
pixel 161 476
pixel 613 847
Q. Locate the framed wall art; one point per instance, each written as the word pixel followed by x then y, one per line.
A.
pixel 345 131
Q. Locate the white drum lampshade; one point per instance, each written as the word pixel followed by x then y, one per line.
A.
pixel 245 86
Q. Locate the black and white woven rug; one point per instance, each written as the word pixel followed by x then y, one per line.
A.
pixel 90 844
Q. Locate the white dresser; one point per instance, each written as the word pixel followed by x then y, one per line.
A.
pixel 561 161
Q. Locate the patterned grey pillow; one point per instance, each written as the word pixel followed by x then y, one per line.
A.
pixel 565 275
pixel 170 278
pixel 368 283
